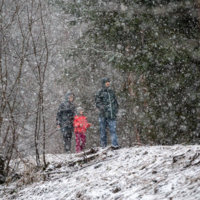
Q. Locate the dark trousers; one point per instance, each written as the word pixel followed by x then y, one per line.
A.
pixel 67 136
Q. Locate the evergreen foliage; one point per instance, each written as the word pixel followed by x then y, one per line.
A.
pixel 157 42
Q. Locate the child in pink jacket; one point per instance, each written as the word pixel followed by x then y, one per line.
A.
pixel 80 127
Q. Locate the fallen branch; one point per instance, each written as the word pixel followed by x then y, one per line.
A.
pixel 88 152
pixel 83 160
pixel 68 172
pixel 178 157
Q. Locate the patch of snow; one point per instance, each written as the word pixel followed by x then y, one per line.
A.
pixel 143 173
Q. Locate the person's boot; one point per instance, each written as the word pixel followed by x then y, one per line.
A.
pixel 115 147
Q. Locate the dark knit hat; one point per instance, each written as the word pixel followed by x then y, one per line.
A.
pixel 68 95
pixel 104 80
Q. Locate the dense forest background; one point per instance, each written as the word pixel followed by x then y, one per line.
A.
pixel 149 49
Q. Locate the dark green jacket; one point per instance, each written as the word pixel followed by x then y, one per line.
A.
pixel 106 102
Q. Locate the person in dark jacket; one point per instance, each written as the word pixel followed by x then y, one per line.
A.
pixel 106 103
pixel 65 119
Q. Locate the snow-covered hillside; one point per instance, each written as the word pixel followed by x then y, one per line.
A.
pixel 141 173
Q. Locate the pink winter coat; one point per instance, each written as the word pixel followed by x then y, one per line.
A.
pixel 78 120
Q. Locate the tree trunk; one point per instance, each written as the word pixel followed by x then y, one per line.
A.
pixel 36 138
pixel 132 94
pixel 2 172
pixel 130 82
pixel 198 12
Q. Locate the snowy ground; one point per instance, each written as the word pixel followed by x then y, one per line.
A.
pixel 141 173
